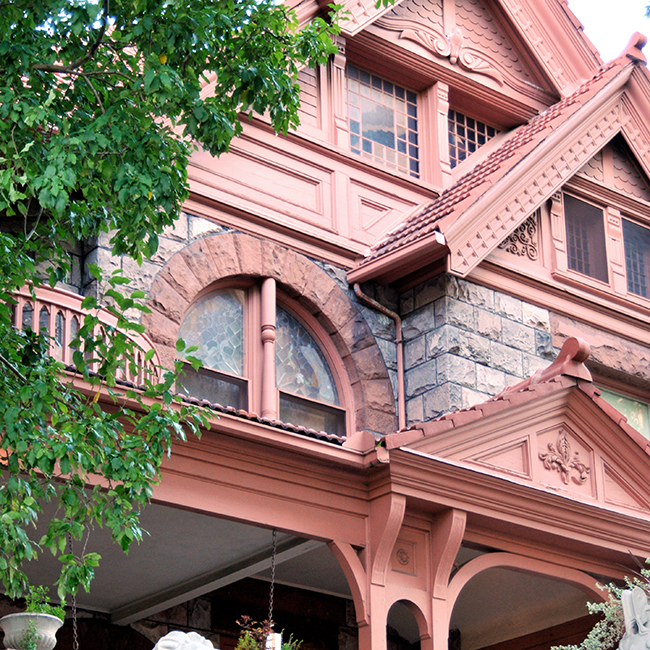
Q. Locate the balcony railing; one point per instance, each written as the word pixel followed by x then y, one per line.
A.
pixel 58 313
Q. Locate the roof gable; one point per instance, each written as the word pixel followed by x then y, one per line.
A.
pixel 549 35
pixel 468 37
pixel 556 434
pixel 615 166
pixel 523 170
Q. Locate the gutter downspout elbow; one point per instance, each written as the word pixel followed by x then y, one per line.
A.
pixel 401 400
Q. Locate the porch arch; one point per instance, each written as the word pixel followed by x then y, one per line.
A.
pixel 502 597
pixel 581 580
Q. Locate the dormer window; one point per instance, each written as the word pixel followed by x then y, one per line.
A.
pixel 383 121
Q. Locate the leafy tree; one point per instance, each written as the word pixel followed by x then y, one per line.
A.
pixel 610 627
pixel 101 105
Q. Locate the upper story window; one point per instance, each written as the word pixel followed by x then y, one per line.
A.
pixel 383 121
pixel 637 258
pixel 585 237
pixel 603 239
pixel 257 360
pixel 466 135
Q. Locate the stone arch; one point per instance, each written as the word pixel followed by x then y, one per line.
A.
pixel 218 257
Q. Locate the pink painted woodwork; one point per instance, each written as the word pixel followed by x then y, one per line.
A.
pixel 58 314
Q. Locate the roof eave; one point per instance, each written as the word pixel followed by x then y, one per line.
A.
pixel 401 262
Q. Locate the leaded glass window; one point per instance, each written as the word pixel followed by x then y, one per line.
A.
pixel 216 326
pixel 226 327
pixel 300 366
pixel 383 121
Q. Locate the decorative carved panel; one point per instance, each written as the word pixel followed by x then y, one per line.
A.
pixel 523 242
pixel 404 559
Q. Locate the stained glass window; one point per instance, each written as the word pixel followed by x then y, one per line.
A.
pixel 636 412
pixel 300 366
pixel 233 370
pixel 216 326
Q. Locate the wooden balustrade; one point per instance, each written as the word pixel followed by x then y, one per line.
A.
pixel 58 313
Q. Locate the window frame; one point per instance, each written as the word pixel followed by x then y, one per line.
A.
pixel 254 352
pixel 411 98
pixel 616 208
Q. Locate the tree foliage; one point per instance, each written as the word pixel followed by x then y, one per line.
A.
pixel 101 105
pixel 610 628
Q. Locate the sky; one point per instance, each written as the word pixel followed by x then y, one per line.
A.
pixel 609 24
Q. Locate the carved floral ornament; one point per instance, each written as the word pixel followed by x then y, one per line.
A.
pixel 450 46
pixel 559 459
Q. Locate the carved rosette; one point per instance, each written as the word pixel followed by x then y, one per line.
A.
pixel 559 459
pixel 523 241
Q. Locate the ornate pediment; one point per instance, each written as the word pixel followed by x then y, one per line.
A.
pixel 560 441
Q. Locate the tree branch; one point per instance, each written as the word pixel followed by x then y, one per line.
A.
pixel 48 67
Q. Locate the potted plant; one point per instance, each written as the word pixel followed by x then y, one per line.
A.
pixel 260 636
pixel 35 628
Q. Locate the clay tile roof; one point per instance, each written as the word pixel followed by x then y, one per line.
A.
pixel 568 370
pixel 277 424
pixel 450 205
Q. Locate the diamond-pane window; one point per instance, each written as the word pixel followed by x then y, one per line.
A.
pixel 383 121
pixel 216 327
pixel 466 135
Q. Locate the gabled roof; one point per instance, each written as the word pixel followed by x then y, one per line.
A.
pixel 473 216
pixel 551 34
pixel 552 431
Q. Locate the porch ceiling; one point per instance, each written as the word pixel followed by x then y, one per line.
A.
pixel 187 554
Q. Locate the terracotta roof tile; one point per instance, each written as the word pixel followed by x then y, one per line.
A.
pixel 450 205
pixel 277 424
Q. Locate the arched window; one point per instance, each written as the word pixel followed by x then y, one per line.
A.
pixel 259 354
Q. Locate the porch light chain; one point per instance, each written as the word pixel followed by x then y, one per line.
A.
pixel 273 554
pixel 75 631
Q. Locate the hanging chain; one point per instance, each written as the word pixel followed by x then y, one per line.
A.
pixel 75 632
pixel 273 554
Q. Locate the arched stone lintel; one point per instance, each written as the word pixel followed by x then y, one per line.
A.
pixel 229 256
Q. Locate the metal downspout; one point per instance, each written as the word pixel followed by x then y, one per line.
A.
pixel 401 401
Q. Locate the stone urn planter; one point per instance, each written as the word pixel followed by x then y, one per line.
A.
pixel 16 625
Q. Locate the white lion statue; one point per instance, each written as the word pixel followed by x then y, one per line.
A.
pixel 183 641
pixel 636 613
